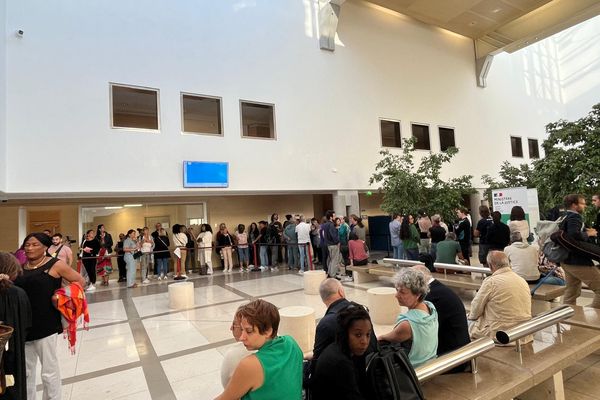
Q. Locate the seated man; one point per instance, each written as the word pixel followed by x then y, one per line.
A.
pixel 333 296
pixel 503 301
pixel 523 258
pixel 453 331
pixel 447 250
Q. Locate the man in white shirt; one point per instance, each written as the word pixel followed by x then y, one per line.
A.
pixel 523 258
pixel 303 232
pixel 60 250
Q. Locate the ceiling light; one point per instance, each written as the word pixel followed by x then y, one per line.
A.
pixel 113 207
pixel 132 205
pixel 497 10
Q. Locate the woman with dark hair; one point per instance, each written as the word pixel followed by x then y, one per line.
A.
pixel 161 255
pixel 275 370
pixel 42 276
pixel 410 237
pixel 225 243
pixel 89 253
pixel 180 240
pixel 518 223
pixel 104 263
pixel 340 372
pixel 357 251
pixel 130 246
pixel 205 239
pixel 241 239
pixel 253 233
pixel 357 226
pixel 15 312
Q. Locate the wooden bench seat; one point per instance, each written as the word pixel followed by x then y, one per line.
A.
pixel 586 317
pixel 535 374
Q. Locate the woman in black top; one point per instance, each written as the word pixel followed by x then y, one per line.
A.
pixel 15 312
pixel 90 248
pixel 252 236
pixel 340 372
pixel 42 275
pixel 120 260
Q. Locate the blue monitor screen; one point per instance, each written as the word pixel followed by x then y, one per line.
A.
pixel 201 174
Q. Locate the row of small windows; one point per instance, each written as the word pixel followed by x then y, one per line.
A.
pixel 516 145
pixel 137 108
pixel 390 135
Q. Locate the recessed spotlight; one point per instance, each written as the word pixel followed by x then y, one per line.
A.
pixel 132 205
pixel 497 10
pixel 113 207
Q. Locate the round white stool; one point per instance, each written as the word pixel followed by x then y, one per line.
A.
pixel 312 281
pixel 181 295
pixel 299 323
pixel 383 306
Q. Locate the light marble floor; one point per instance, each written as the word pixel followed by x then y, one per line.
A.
pixel 138 348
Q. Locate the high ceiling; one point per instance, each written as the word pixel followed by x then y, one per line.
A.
pixel 498 25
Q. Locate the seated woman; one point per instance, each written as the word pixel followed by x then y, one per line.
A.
pixel 275 370
pixel 357 251
pixel 417 329
pixel 341 370
pixel 236 352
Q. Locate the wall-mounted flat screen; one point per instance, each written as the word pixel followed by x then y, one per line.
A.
pixel 201 174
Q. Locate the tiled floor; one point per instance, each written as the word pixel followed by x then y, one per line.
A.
pixel 138 348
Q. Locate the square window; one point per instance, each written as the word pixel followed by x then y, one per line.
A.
pixel 446 138
pixel 134 107
pixel 421 133
pixel 201 114
pixel 390 133
pixel 258 120
pixel 516 146
pixel 534 150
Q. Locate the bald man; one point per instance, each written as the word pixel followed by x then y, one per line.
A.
pixel 453 331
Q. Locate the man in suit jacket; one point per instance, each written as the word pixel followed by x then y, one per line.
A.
pixel 453 331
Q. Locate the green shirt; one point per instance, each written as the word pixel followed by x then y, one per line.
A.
pixel 424 329
pixel 446 251
pixel 281 360
pixel 413 241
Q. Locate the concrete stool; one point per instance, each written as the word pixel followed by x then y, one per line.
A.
pixel 299 323
pixel 181 295
pixel 312 281
pixel 383 306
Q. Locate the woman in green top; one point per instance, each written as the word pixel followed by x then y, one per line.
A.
pixel 417 329
pixel 274 372
pixel 410 237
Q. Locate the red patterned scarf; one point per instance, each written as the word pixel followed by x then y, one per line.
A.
pixel 71 303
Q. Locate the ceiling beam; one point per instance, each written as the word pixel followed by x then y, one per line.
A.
pixel 329 14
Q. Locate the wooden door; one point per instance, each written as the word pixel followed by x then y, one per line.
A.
pixel 39 221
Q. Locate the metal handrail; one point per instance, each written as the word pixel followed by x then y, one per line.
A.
pixel 463 268
pixel 402 263
pixel 459 356
pixel 535 324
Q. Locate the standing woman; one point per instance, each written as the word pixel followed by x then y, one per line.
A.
pixel 120 260
pixel 42 276
pixel 225 242
pixel 410 237
pixel 90 248
pixel 253 233
pixel 180 240
pixel 357 226
pixel 15 312
pixel 518 223
pixel 161 255
pixel 205 239
pixel 315 240
pixel 104 238
pixel 130 246
pixel 242 245
pixel 104 264
pixel 147 246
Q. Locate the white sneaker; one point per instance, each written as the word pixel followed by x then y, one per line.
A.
pixel 90 288
pixel 146 281
pixel 301 272
pixel 347 279
pixel 251 266
pixel 184 276
pixel 162 276
pixel 209 271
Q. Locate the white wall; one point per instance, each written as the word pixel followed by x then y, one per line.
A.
pixel 327 105
pixel 3 37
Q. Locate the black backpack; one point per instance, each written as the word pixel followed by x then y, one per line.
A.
pixel 428 260
pixel 391 376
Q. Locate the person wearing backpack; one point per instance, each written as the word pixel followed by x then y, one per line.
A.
pixel 578 266
pixel 341 370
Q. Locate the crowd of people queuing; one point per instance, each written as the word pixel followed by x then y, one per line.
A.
pixel 434 324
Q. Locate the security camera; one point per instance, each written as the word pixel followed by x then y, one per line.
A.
pixel 20 33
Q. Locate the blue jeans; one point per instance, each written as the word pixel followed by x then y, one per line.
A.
pixel 292 254
pixel 412 254
pixel 303 249
pixel 264 257
pixel 433 251
pixel 398 252
pixel 162 265
pixel 243 255
pixel 554 280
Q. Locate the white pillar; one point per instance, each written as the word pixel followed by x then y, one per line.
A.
pixel 345 202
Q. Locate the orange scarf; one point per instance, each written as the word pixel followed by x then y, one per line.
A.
pixel 71 303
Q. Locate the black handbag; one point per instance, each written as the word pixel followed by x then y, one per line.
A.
pixel 137 254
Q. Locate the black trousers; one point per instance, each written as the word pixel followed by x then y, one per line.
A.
pixel 122 267
pixel 90 268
